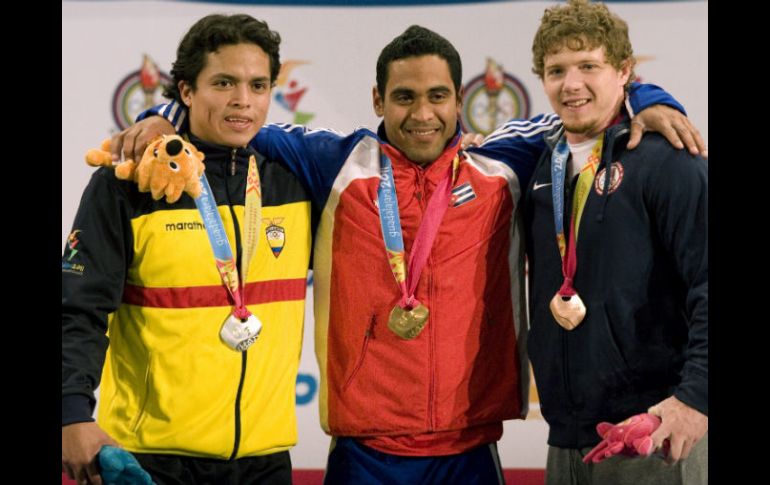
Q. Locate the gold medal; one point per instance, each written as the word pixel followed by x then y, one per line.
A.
pixel 408 324
pixel 568 311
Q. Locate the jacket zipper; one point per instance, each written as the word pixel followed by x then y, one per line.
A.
pixel 432 330
pixel 421 198
pixel 568 195
pixel 244 355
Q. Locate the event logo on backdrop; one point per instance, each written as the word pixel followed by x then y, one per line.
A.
pixel 288 92
pixel 492 98
pixel 140 90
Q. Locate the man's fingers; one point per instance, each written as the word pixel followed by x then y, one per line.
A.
pixel 129 148
pixel 93 472
pixel 675 452
pixel 685 132
pixel 68 470
pixel 471 140
pixel 143 139
pixel 654 410
pixel 637 130
pixel 116 144
pixel 672 136
pixel 81 475
pixel 658 436
pixel 700 145
pixel 686 449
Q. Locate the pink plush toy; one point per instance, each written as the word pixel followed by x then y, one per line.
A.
pixel 629 437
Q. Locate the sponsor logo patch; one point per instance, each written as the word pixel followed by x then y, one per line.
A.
pixel 185 226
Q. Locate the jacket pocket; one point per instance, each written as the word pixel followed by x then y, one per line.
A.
pixel 360 361
pixel 613 368
pixel 142 404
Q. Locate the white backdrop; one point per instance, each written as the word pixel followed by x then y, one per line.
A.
pixel 333 51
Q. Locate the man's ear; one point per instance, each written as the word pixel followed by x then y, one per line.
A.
pixel 185 90
pixel 625 70
pixel 460 96
pixel 379 109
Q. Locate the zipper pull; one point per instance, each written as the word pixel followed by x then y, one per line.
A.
pixel 232 161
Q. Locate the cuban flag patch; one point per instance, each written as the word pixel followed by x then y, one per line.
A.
pixel 462 194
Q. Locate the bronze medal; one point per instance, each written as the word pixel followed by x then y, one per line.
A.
pixel 568 311
pixel 408 324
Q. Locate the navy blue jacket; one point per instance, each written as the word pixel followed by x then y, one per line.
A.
pixel 642 272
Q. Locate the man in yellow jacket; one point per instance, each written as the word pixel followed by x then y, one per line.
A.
pixel 189 384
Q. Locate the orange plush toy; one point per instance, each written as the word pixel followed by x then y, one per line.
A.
pixel 169 166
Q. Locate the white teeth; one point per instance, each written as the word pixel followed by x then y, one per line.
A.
pixel 576 104
pixel 420 133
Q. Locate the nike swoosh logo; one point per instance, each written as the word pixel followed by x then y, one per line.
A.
pixel 540 186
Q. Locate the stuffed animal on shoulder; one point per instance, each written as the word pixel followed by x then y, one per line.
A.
pixel 170 165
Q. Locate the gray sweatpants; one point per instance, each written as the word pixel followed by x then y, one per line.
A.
pixel 565 467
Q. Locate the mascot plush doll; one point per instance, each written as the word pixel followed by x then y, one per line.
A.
pixel 170 165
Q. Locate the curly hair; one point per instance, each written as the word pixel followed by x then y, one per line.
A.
pixel 581 25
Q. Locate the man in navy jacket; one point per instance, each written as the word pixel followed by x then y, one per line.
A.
pixel 619 270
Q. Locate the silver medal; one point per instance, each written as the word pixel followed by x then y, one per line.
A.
pixel 239 335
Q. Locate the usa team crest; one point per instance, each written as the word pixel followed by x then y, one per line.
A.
pixel 615 179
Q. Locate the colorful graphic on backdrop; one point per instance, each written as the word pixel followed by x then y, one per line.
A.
pixel 493 98
pixel 288 92
pixel 138 91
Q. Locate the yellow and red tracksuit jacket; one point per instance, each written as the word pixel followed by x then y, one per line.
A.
pixel 169 384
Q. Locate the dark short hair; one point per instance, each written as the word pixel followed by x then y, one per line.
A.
pixel 208 35
pixel 418 41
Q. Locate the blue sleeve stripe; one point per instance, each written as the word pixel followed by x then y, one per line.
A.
pixel 165 109
pixel 526 125
pixel 175 113
pixel 525 128
pixel 178 114
pixel 288 128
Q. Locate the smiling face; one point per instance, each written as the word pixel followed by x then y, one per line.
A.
pixel 419 107
pixel 229 104
pixel 584 90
